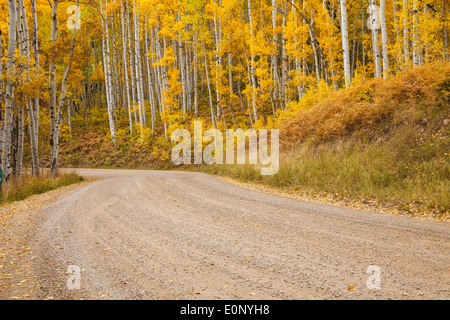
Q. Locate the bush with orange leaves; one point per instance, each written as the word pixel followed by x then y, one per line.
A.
pixel 376 106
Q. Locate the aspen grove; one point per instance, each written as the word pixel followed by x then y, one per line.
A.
pixel 154 66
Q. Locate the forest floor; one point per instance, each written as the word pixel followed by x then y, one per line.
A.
pixel 179 235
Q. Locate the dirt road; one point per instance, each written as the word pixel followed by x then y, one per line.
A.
pixel 175 235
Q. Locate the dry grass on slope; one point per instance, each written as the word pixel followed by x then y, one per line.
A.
pixel 419 98
pixel 383 141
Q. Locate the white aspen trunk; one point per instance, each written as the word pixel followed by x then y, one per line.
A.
pixel 32 119
pixel 125 64
pixel 109 77
pixel 230 78
pixel 314 45
pixel 220 65
pixel 275 49
pixel 107 70
pixel 69 120
pixel 249 82
pixel 20 142
pixel 62 101
pixel 426 55
pixel 188 55
pixel 397 34
pixel 304 66
pixel 345 47
pixel 375 38
pixel 252 65
pixel 115 88
pixel 406 33
pixel 153 44
pixel 384 37
pixel 158 70
pixel 160 52
pixel 216 60
pixel 209 88
pixel 32 123
pixel 131 55
pixel 34 111
pixel 24 46
pixel 149 76
pixel 284 62
pixel 354 47
pixel 362 33
pixel 297 61
pixel 182 61
pixel 195 84
pixel 445 53
pixel 415 36
pixel 52 84
pixel 230 83
pixel 137 72
pixel 165 84
pixel 140 64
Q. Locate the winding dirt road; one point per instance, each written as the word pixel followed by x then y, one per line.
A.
pixel 177 235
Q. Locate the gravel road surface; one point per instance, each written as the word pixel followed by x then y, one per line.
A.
pixel 178 235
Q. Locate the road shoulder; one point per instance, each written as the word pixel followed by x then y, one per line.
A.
pixel 19 236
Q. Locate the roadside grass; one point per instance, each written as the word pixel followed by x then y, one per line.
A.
pixel 388 141
pixel 362 171
pixel 29 186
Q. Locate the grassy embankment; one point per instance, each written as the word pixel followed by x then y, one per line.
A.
pixel 29 186
pixel 388 141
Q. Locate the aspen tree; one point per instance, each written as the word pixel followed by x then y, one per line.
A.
pixel 284 60
pixel 132 66
pixel 149 76
pixel 137 71
pixel 52 84
pixel 313 43
pixel 345 48
pixel 384 37
pixel 217 59
pixel 140 64
pixel 252 63
pixel 107 69
pixel 114 69
pixel 375 38
pixel 275 48
pixel 33 114
pixel 405 33
pixel 125 64
pixel 195 84
pixel 415 36
pixel 20 118
pixel 445 53
pixel 181 58
pixel 397 33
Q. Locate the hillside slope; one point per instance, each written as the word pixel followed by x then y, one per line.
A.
pixel 383 141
